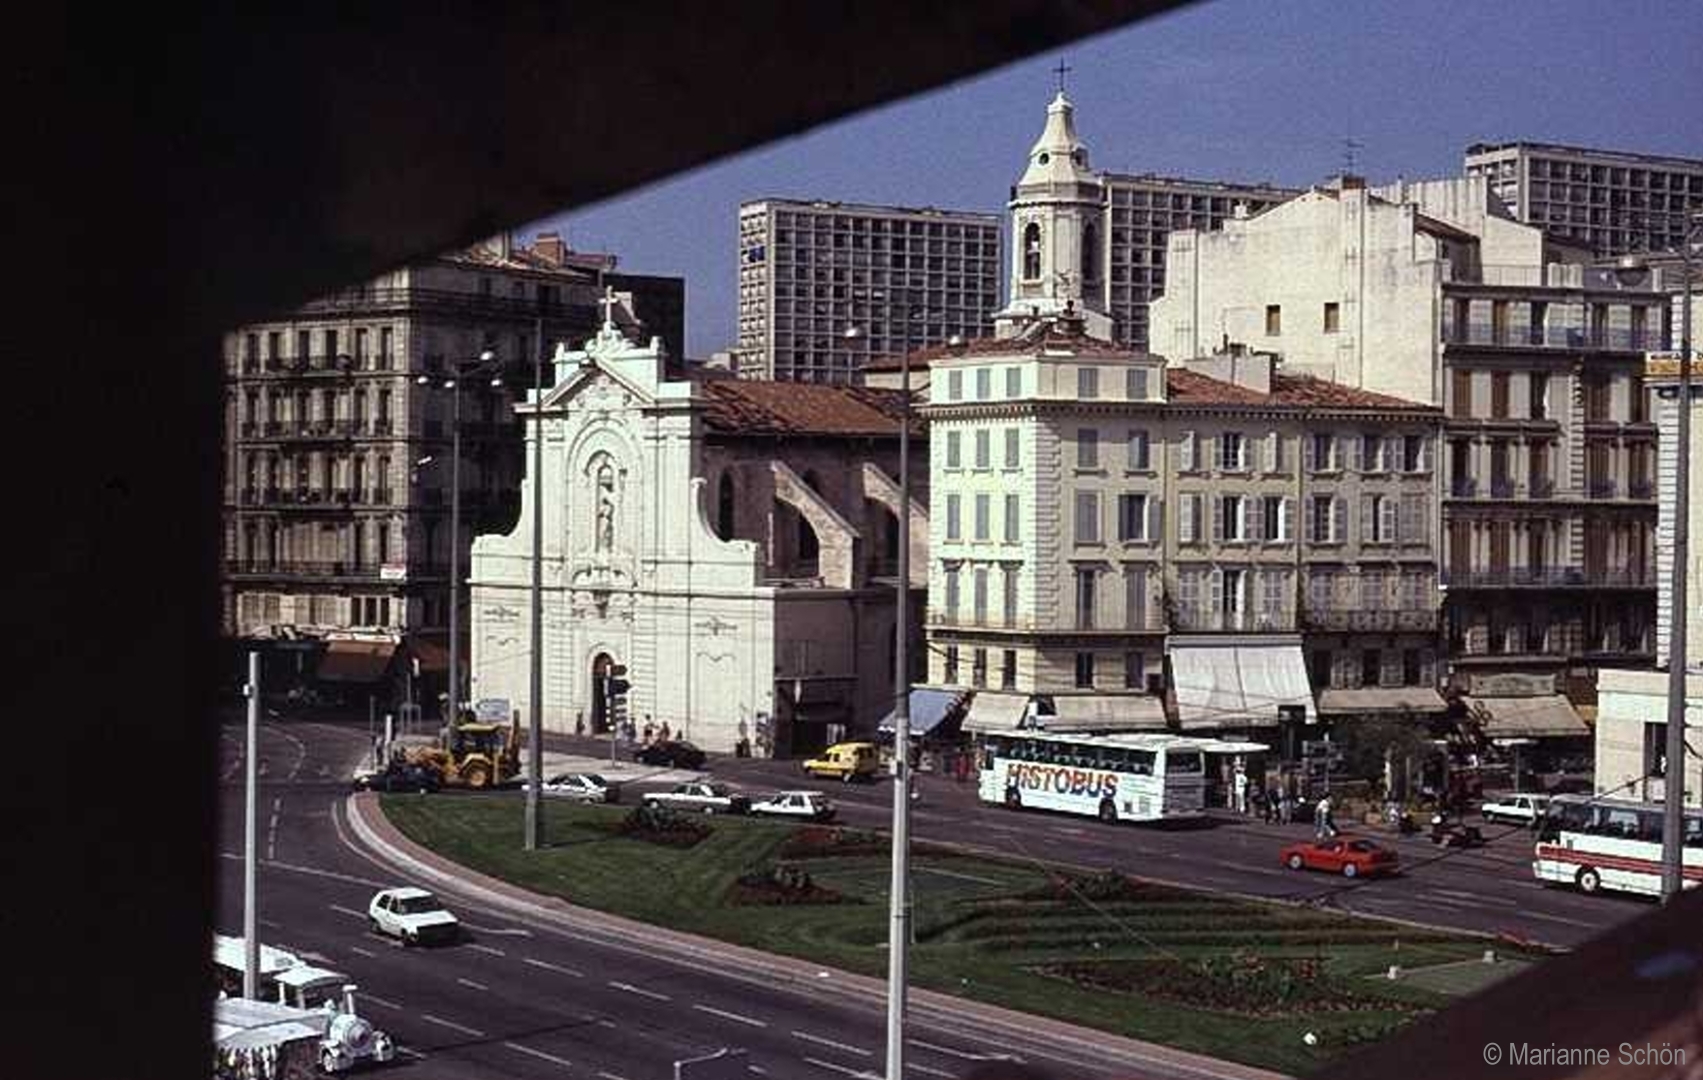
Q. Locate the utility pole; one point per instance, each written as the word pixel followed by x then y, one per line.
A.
pixel 899 934
pixel 1673 776
pixel 535 735
pixel 251 944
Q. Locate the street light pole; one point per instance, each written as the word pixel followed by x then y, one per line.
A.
pixel 250 850
pixel 455 560
pixel 535 733
pixel 1673 778
pixel 898 934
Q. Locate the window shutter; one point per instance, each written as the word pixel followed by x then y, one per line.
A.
pixel 1155 519
pixel 1188 448
pixel 1216 599
pixel 1309 458
pixel 1186 522
pixel 1220 455
pixel 1287 511
pixel 1425 451
pixel 1311 523
pixel 1428 668
pixel 1356 462
pixel 1389 668
pixel 1256 517
pixel 1217 517
pixel 1388 524
pixel 1409 528
pixel 1368 518
pixel 1339 519
pixel 1422 522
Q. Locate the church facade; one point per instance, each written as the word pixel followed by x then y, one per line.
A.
pixel 731 543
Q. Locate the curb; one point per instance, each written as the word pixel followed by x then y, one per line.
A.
pixel 944 1011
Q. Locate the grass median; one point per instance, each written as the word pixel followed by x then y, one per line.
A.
pixel 1235 979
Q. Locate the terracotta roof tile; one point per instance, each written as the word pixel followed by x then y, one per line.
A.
pixel 1295 391
pixel 520 259
pixel 1043 335
pixel 760 407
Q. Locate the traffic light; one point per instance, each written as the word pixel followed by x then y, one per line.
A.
pixel 615 696
pixel 617 685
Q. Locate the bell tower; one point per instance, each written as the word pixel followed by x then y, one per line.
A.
pixel 1058 241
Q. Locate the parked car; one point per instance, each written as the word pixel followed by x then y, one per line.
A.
pixel 847 761
pixel 675 754
pixel 1350 856
pixel 581 787
pixel 398 776
pixel 702 796
pixel 1522 809
pixel 413 915
pixel 807 805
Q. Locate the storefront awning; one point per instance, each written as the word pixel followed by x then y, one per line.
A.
pixel 432 657
pixel 993 711
pixel 1107 712
pixel 356 661
pixel 929 709
pixel 1547 716
pixel 1382 699
pixel 1238 683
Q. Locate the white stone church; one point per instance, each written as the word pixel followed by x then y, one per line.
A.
pixel 731 542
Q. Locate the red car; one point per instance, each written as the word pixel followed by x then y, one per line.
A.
pixel 1350 856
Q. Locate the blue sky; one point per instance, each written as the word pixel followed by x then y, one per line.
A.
pixel 1228 89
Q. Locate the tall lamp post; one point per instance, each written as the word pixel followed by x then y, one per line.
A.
pixel 1630 270
pixel 535 732
pixel 453 384
pixel 899 888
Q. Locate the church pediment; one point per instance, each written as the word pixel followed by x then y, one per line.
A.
pixel 597 388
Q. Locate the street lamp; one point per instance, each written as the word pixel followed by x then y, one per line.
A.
pixel 453 384
pixel 1631 270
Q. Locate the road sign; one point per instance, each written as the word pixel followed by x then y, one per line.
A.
pixel 492 710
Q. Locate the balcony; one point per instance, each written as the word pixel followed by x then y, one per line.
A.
pixel 1640 489
pixel 1602 489
pixel 1463 487
pixel 1359 619
pixel 1519 336
pixel 1541 487
pixel 443 301
pixel 301 568
pixel 1548 577
pixel 382 426
pixel 1501 488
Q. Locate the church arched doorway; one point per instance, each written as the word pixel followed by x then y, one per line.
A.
pixel 599 708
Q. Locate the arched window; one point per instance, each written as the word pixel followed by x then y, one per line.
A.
pixel 1032 251
pixel 1091 251
pixel 724 506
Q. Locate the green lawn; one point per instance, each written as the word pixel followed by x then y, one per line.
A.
pixel 1231 978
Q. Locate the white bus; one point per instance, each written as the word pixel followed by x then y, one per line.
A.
pixel 1136 777
pixel 1598 843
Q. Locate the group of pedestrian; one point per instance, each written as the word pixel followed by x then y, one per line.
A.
pixel 652 733
pixel 1276 803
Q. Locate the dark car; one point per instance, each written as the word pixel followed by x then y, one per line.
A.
pixel 398 776
pixel 675 753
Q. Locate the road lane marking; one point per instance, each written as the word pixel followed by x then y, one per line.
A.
pixel 548 966
pixel 930 1071
pixel 410 1051
pixel 735 1017
pixel 819 1040
pixel 959 875
pixel 1561 919
pixel 965 1054
pixel 463 1028
pixel 376 1000
pixel 563 1062
pixel 363 952
pixel 641 991
pixel 487 949
pixel 236 856
pixel 843 1070
pixel 517 932
pixel 611 1076
pixel 473 985
pixel 351 912
pixel 268 923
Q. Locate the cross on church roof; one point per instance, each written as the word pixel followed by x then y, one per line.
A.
pixel 1062 70
pixel 608 305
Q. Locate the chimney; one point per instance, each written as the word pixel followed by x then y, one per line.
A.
pixel 1351 182
pixel 549 247
pixel 1241 210
pixel 505 244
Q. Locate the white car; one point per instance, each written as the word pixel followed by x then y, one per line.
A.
pixel 413 915
pixel 701 796
pixel 581 787
pixel 808 805
pixel 1520 809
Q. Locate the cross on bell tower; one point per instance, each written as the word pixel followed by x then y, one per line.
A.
pixel 1062 70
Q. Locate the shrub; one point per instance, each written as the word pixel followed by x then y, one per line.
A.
pixel 820 841
pixel 1105 886
pixel 780 883
pixel 662 825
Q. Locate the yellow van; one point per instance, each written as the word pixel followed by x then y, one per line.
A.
pixel 848 760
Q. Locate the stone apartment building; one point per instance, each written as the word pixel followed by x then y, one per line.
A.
pixel 1126 545
pixel 337 507
pixel 1432 292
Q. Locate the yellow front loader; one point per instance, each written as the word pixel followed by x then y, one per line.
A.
pixel 478 756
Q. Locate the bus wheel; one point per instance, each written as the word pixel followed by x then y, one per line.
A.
pixel 1013 800
pixel 1108 811
pixel 1589 880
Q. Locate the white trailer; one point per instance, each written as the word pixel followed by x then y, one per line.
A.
pixel 317 998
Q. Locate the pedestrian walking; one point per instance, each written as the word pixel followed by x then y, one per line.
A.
pixel 665 731
pixel 1239 788
pixel 1286 808
pixel 650 732
pixel 1268 800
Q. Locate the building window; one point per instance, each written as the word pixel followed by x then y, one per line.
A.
pixel 954 448
pixel 1010 595
pixel 954 506
pixel 724 507
pixel 984 384
pixel 1087 448
pixel 1135 675
pixel 1274 521
pixel 979 667
pixel 1371 664
pixel 1140 451
pixel 1324 519
pixel 1233 603
pixel 1232 525
pixel 952 594
pixel 1273 320
pixel 984 449
pixel 1008 669
pixel 1319 669
pixel 1188 518
pixel 1013 382
pixel 1462 394
pixel 1087 383
pixel 954 386
pixel 1333 317
pixel 1012 519
pixel 1085 671
pixel 979 595
pixel 1232 452
pixel 1135 384
pixel 950 672
pixel 274 345
pixel 1085 598
pixel 1032 251
pixel 1413 453
pixel 1091 252
pixel 1539 387
pixel 1132 517
pixel 1324 454
pixel 1499 395
pixel 1186 449
pixel 1135 597
pixel 1013 451
pixel 984 511
pixel 1411 668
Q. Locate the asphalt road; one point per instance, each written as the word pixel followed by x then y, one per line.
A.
pixel 537 997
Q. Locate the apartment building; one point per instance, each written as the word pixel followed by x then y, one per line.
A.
pixel 1610 201
pixel 337 504
pixel 1118 545
pixel 1433 293
pixel 825 286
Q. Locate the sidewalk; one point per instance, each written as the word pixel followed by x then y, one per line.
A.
pixel 386 842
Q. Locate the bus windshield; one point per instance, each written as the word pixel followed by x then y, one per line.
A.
pixel 1182 762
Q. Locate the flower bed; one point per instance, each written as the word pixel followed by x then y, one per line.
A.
pixel 823 841
pixel 1104 887
pixel 1243 983
pixel 661 825
pixel 780 883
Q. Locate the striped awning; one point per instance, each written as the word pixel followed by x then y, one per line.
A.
pixel 1546 716
pixel 356 661
pixel 1106 712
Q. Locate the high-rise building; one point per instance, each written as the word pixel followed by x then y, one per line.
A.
pixel 337 486
pixel 823 286
pixel 1610 201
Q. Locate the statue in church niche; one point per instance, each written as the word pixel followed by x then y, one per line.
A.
pixel 605 499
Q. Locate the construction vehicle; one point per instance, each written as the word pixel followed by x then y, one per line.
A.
pixel 475 755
